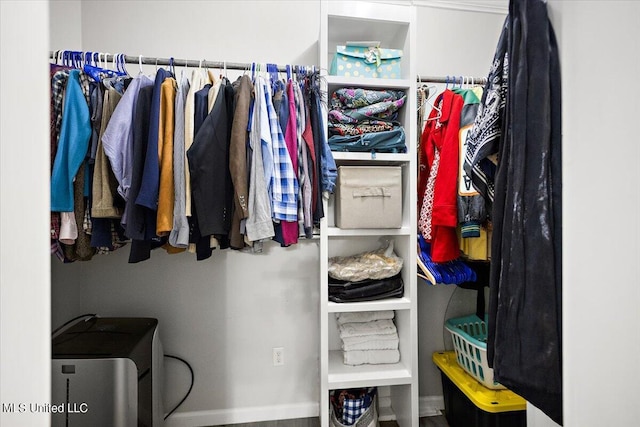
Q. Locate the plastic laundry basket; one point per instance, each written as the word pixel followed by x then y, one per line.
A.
pixel 469 336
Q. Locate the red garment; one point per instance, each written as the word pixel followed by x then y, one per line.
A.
pixel 290 228
pixel 441 133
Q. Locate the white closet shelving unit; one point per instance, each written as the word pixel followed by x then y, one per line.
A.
pixel 394 27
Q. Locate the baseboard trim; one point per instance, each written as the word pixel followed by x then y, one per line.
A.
pixel 254 414
pixel 427 406
pixel 430 406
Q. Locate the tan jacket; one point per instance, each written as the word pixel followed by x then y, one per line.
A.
pixel 238 159
pixel 164 216
pixel 105 186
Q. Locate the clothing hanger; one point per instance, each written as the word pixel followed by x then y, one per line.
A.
pixel 433 105
pixel 452 272
pixel 430 92
pixel 272 70
pixel 184 70
pixel 98 71
pixel 426 273
pixel 123 66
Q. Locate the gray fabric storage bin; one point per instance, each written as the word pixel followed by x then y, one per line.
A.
pixel 369 197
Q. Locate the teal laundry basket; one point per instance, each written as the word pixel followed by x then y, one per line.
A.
pixel 469 334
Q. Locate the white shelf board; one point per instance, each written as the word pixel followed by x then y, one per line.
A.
pixel 403 303
pixel 369 82
pixel 358 232
pixel 371 11
pixel 368 157
pixel 346 376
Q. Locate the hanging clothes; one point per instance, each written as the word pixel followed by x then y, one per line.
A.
pixel 199 78
pixel 437 182
pixel 524 344
pixel 166 199
pixel 105 203
pixel 148 194
pixel 75 131
pixel 209 168
pixel 473 227
pixel 259 224
pixel 253 163
pixel 117 139
pixel 135 224
pixel 239 140
pixel 179 235
pixel 305 166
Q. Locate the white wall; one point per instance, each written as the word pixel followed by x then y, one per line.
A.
pixel 601 300
pixel 24 221
pixel 224 315
pixel 598 45
pixel 65 24
pixel 220 315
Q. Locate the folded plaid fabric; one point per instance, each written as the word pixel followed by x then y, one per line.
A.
pixel 350 404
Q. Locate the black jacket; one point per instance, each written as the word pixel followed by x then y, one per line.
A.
pixel 524 343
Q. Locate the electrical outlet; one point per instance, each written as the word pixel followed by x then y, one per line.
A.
pixel 278 356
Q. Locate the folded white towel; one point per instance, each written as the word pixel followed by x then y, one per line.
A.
pixel 376 327
pixel 363 316
pixel 371 357
pixel 371 342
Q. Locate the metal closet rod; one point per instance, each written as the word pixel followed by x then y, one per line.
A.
pixel 177 62
pixel 452 79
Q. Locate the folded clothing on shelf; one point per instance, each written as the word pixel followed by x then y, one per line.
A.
pixel 364 316
pixel 371 342
pixel 371 357
pixel 355 105
pixel 366 120
pixel 368 337
pixel 375 327
pixel 366 290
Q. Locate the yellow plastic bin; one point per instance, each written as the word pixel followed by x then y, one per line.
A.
pixel 467 403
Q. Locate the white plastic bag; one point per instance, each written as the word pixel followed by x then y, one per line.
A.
pixel 379 264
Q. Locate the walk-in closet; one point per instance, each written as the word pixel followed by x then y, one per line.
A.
pixel 261 335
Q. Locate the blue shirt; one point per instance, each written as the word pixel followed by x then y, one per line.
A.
pixel 75 132
pixel 285 181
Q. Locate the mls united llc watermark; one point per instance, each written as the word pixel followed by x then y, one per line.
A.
pixel 69 408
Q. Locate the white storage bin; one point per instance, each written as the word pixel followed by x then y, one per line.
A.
pixel 369 197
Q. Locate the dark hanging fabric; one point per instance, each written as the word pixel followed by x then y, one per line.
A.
pixel 211 185
pixel 482 270
pixel 136 216
pixel 315 110
pixel 525 332
pixel 209 168
pixel 148 193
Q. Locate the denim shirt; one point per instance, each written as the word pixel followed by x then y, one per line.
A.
pixel 327 163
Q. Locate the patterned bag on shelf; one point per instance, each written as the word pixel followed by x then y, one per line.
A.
pixel 353 407
pixel 366 61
